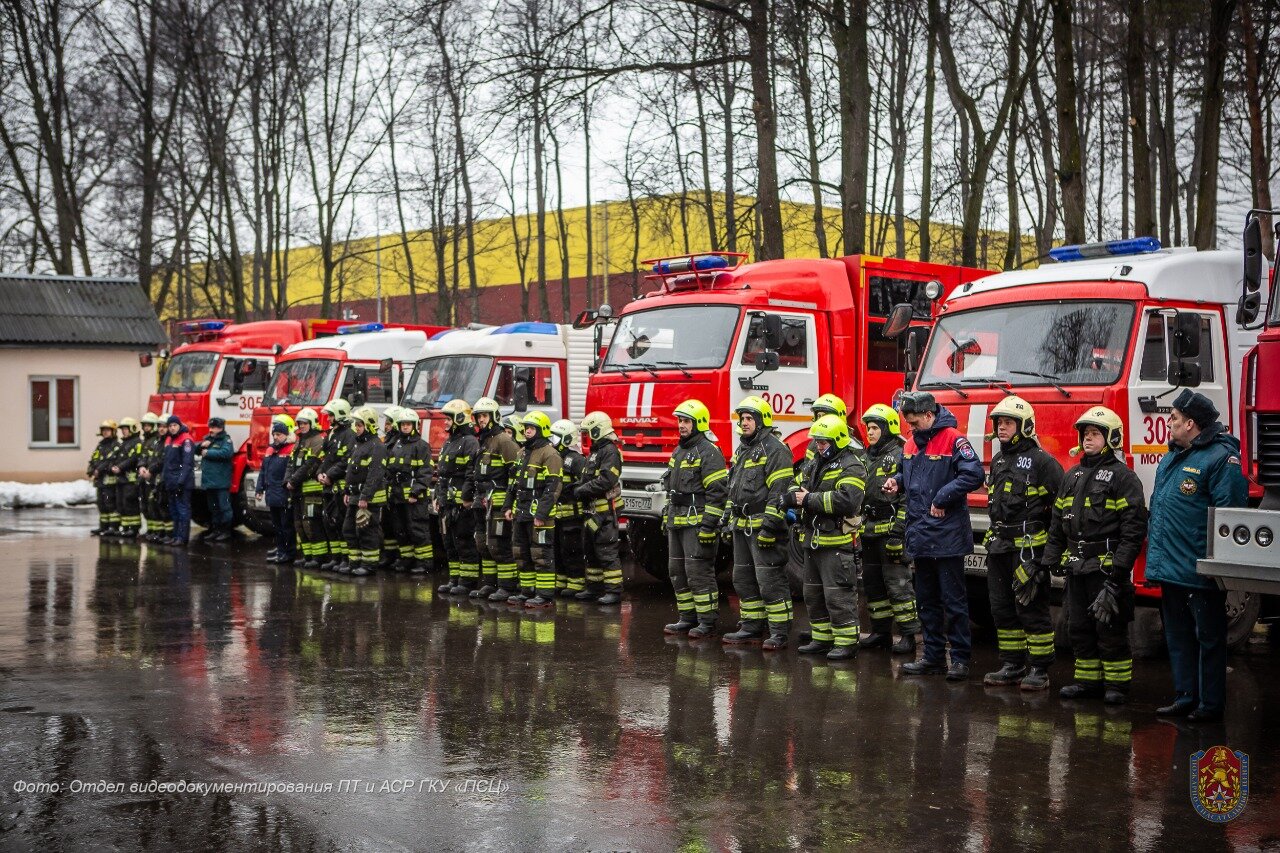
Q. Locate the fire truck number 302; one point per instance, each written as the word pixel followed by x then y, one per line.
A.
pixel 1157 430
pixel 782 404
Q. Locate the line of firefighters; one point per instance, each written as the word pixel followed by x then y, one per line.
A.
pixel 524 517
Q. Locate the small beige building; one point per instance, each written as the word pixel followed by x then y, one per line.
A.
pixel 71 356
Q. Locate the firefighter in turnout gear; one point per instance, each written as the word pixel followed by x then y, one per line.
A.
pixel 531 505
pixel 124 465
pixel 454 481
pixel 697 484
pixel 886 577
pixel 366 493
pixel 599 491
pixel 306 493
pixel 570 560
pixel 828 495
pixel 759 475
pixel 155 504
pixel 390 542
pixel 104 481
pixel 499 455
pixel 827 404
pixel 1099 525
pixel 1021 487
pixel 409 474
pixel 334 454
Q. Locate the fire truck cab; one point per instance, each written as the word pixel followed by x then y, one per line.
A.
pixel 718 330
pixel 1124 324
pixel 523 366
pixel 365 364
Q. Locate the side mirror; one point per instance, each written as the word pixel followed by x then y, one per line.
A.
pixel 1186 336
pixel 767 360
pixel 1251 298
pixel 144 359
pixel 916 339
pixel 384 365
pixel 899 320
pixel 909 379
pixel 248 366
pixel 771 326
pixel 520 395
pixel 360 379
pixel 1184 374
pixel 586 319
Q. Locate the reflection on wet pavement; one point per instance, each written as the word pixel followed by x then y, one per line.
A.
pixel 474 725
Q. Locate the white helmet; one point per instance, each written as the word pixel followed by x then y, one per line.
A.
pixel 563 433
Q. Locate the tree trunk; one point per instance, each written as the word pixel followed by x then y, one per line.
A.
pixel 768 202
pixel 1215 61
pixel 1070 176
pixel 926 154
pixel 1259 168
pixel 1135 63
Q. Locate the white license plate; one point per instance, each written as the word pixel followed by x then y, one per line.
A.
pixel 975 563
pixel 637 504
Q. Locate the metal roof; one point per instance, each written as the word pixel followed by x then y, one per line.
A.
pixel 75 311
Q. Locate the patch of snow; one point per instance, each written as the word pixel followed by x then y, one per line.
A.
pixel 46 494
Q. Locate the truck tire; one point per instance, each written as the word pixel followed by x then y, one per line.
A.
pixel 1242 614
pixel 795 568
pixel 648 546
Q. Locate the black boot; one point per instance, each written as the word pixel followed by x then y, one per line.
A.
pixel 923 667
pixel 546 598
pixel 749 632
pixel 585 595
pixel 1115 695
pixel 877 640
pixel 567 593
pixel 686 623
pixel 906 645
pixel 1081 691
pixel 609 598
pixel 1037 679
pixel 500 594
pixel 843 653
pixel 344 568
pixel 419 567
pixel 705 628
pixel 815 647
pixel 1007 676
pixel 777 638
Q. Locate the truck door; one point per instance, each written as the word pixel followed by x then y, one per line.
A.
pixel 238 392
pixel 542 381
pixel 791 387
pixel 1150 395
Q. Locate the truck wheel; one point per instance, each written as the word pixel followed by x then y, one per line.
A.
pixel 1242 614
pixel 259 523
pixel 795 568
pixel 648 546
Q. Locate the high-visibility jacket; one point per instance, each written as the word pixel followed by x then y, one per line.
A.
pixel 829 512
pixel 759 475
pixel 304 464
pixel 1099 518
pixel 499 458
pixel 366 476
pixel 455 469
pixel 598 487
pixel 572 464
pixel 336 452
pixel 884 516
pixel 536 486
pixel 697 483
pixel 1021 488
pixel 409 468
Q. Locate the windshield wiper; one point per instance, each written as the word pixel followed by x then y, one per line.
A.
pixel 680 366
pixel 953 386
pixel 652 368
pixel 1047 377
pixel 1002 384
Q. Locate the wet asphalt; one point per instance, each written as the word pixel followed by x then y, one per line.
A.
pixel 159 699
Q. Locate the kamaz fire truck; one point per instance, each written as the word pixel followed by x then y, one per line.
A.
pixel 1242 552
pixel 524 366
pixel 1124 324
pixel 718 329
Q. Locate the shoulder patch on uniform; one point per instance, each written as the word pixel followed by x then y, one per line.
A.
pixel 1188 486
pixel 966 449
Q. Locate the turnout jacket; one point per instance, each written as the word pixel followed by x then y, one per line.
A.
pixel 127 457
pixel 697 484
pixel 304 464
pixel 759 475
pixel 499 458
pixel 153 455
pixel 100 461
pixel 884 515
pixel 829 512
pixel 536 486
pixel 1189 480
pixel 335 453
pixel 1099 518
pixel 572 464
pixel 939 468
pixel 366 470
pixel 598 487
pixel 455 470
pixel 409 468
pixel 1021 488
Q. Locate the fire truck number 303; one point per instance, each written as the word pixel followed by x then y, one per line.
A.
pixel 783 404
pixel 1157 430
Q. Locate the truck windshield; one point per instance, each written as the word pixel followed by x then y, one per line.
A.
pixel 696 336
pixel 436 381
pixel 305 382
pixel 1068 343
pixel 189 372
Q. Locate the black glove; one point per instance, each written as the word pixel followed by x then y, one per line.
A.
pixel 1058 569
pixel 1107 605
pixel 1027 578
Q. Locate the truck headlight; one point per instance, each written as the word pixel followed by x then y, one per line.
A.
pixel 1240 534
pixel 1264 536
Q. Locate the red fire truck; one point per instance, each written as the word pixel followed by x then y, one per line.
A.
pixel 718 329
pixel 1123 324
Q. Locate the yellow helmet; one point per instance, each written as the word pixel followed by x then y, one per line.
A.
pixel 284 419
pixel 338 409
pixel 485 406
pixel 459 413
pixel 407 416
pixel 108 424
pixel 759 408
pixel 368 416
pixel 152 418
pixel 597 426
pixel 512 422
pixel 1107 421
pixel 309 415
pixel 538 420
pixel 563 432
pixel 129 424
pixel 695 411
pixel 831 428
pixel 829 404
pixel 1016 409
pixel 886 416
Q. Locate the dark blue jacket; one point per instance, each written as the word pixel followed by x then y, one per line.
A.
pixel 275 473
pixel 179 461
pixel 215 470
pixel 1188 481
pixel 939 468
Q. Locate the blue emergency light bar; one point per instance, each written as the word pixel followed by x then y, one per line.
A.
pixel 193 326
pixel 528 327
pixel 360 327
pixel 691 264
pixel 1109 249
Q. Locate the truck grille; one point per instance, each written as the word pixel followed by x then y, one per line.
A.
pixel 1269 450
